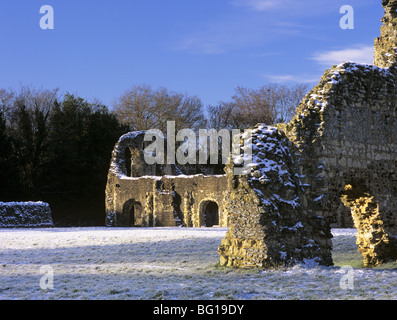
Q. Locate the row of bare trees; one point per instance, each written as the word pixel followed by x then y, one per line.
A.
pixel 142 107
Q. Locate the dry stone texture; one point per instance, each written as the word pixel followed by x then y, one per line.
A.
pixel 25 215
pixel 386 44
pixel 346 130
pixel 268 221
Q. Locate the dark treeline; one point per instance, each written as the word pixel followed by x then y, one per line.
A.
pixel 57 148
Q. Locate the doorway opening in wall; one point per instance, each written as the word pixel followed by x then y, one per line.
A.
pixel 133 211
pixel 210 211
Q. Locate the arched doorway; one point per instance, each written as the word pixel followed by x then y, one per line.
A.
pixel 210 213
pixel 132 213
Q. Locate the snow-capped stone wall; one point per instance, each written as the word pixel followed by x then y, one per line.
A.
pixel 268 223
pixel 158 195
pixel 346 129
pixel 25 215
pixel 346 132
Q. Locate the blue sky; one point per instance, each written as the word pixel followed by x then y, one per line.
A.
pixel 99 49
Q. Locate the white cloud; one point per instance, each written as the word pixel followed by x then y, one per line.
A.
pixel 284 78
pixel 257 5
pixel 360 54
pixel 292 8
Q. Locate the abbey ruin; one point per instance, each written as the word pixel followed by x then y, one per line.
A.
pixel 336 158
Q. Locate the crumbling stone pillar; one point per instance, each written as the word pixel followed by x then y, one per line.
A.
pixel 269 224
pixel 374 243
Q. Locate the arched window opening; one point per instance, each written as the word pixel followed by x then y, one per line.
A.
pixel 128 162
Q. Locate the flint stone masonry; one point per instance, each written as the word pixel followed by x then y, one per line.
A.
pixel 386 44
pixel 25 215
pixel 268 223
pixel 346 130
pixel 334 163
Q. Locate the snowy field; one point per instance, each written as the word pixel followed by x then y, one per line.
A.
pixel 170 263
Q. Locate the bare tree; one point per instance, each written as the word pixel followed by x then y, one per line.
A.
pixel 34 100
pixel 142 108
pixel 288 98
pixel 6 101
pixel 269 104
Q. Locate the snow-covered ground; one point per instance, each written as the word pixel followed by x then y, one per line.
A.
pixel 169 263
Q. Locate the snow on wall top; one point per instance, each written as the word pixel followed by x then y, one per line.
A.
pixel 117 164
pixel 271 165
pixel 25 215
pixel 29 203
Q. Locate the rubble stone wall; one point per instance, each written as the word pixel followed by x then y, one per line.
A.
pixel 156 195
pixel 346 130
pixel 25 215
pixel 268 222
pixel 335 162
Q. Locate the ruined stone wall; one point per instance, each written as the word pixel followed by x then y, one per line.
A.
pixel 342 159
pixel 268 221
pixel 385 46
pixel 164 201
pixel 25 215
pixel 346 132
pixel 346 129
pixel 158 195
pixel 335 162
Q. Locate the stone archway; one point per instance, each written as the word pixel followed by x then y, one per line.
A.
pixel 209 210
pixel 374 243
pixel 132 213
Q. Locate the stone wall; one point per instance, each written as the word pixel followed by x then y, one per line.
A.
pixel 159 195
pixel 386 45
pixel 164 201
pixel 268 221
pixel 25 215
pixel 346 130
pixel 335 162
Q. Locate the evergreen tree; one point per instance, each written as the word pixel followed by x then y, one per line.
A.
pixel 8 173
pixel 82 137
pixel 58 151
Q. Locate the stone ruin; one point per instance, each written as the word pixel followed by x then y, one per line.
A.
pixel 346 131
pixel 269 224
pixel 336 158
pixel 25 215
pixel 138 194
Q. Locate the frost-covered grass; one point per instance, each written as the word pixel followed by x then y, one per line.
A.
pixel 169 263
